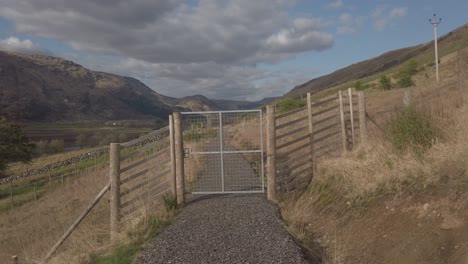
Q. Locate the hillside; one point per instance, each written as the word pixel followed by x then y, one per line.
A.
pixel 35 88
pixel 379 64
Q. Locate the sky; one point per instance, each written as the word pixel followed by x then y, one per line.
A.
pixel 223 49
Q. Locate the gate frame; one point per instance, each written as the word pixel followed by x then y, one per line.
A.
pixel 221 152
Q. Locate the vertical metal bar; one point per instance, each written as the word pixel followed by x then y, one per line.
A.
pixel 221 149
pixel 179 148
pixel 261 149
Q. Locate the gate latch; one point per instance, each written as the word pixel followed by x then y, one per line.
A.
pixel 187 153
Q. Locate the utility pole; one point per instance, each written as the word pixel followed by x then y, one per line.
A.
pixel 435 23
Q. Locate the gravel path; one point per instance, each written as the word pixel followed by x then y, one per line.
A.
pixel 225 229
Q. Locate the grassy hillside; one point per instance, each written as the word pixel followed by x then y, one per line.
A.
pixel 402 197
pixel 389 63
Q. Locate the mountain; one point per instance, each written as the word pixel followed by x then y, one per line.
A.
pixel 452 40
pixel 36 88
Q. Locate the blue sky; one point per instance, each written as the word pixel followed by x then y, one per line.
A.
pixel 232 49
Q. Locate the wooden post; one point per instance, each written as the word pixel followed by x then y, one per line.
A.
pixel 351 114
pixel 114 174
pixel 343 125
pixel 406 98
pixel 311 132
pixel 362 117
pixel 14 259
pixel 173 157
pixel 179 155
pixel 11 193
pixel 271 152
pixel 35 195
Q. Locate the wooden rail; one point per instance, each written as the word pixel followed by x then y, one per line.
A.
pixel 302 136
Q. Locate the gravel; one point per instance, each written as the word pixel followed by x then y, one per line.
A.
pixel 225 229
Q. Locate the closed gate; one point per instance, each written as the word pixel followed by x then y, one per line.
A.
pixel 223 152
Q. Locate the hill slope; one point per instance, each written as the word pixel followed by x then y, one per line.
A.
pixel 35 88
pixel 379 64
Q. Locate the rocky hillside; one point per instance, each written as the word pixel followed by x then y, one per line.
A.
pixel 36 88
pixel 452 40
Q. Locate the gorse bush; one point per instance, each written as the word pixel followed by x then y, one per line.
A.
pixel 289 104
pixel 413 129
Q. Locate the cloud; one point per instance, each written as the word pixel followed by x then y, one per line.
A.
pixel 180 47
pixel 171 31
pixel 350 24
pixel 211 79
pixel 24 46
pixel 383 16
pixel 337 4
pixel 398 12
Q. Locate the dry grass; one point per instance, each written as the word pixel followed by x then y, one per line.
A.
pixel 379 205
pixel 30 230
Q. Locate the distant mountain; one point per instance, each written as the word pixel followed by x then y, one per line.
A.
pixel 36 88
pixel 378 64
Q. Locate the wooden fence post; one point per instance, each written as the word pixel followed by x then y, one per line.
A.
pixel 114 174
pixel 311 132
pixel 173 157
pixel 179 155
pixel 343 125
pixel 351 114
pixel 35 194
pixel 271 152
pixel 362 117
pixel 406 98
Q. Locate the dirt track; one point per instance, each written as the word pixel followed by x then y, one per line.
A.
pixel 225 229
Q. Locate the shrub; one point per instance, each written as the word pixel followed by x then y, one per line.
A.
pixel 289 104
pixel 385 82
pixel 56 145
pixel 80 140
pixel 413 129
pixel 410 68
pixel 405 81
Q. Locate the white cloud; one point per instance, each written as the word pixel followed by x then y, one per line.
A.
pixel 180 47
pixel 350 24
pixel 337 4
pixel 383 16
pixel 398 12
pixel 24 46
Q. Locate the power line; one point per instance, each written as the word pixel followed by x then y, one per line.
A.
pixel 435 23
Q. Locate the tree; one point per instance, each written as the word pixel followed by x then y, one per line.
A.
pixel 80 140
pixel 14 145
pixel 385 82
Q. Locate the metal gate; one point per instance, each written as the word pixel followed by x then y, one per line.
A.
pixel 223 152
